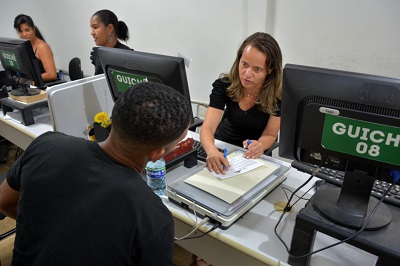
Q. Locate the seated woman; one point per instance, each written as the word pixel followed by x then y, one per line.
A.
pixel 106 31
pixel 248 101
pixel 27 30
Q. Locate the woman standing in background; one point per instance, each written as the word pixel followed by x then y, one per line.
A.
pixel 27 30
pixel 106 31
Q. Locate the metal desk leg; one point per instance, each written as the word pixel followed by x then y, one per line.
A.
pixel 302 242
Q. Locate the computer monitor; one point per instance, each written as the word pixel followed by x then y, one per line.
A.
pixel 352 120
pixel 17 57
pixel 124 68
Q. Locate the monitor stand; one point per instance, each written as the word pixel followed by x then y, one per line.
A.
pixel 352 204
pixel 383 243
pixel 8 105
pixel 25 90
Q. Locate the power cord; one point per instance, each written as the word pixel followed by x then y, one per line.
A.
pixel 215 226
pixel 288 207
pixel 202 222
pixel 346 239
pixel 396 177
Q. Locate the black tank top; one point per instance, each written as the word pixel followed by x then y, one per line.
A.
pixel 41 67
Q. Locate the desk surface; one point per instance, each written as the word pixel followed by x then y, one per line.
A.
pixel 22 135
pixel 249 241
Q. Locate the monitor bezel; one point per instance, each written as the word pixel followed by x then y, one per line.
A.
pixel 349 88
pixel 26 57
pixel 169 70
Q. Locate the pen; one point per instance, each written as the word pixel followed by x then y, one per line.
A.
pixel 248 142
pixel 225 151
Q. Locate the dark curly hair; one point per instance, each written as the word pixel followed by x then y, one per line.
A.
pixel 150 114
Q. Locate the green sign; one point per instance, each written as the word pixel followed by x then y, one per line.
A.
pixel 10 59
pixel 363 139
pixel 125 80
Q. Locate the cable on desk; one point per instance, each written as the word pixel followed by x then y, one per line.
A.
pixel 194 212
pixel 288 207
pixel 216 225
pixel 350 237
pixel 299 197
pixel 205 220
pixel 341 241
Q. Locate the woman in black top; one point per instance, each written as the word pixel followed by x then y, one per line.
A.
pixel 27 30
pixel 106 31
pixel 248 101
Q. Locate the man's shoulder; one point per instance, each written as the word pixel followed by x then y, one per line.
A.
pixel 56 139
pixel 50 135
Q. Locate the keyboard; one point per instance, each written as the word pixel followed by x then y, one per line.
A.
pixel 336 177
pixel 201 154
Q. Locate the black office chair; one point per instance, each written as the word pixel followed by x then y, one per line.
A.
pixel 74 68
pixel 197 122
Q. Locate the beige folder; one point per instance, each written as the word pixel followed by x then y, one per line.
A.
pixel 232 188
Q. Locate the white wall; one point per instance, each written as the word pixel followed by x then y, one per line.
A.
pixel 356 35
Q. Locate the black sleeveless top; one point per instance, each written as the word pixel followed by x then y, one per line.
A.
pixel 41 67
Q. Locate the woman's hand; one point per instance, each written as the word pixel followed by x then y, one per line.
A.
pixel 216 162
pixel 255 149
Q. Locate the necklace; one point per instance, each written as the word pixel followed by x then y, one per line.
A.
pixel 249 95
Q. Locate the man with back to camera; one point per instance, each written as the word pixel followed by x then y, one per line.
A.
pixel 79 202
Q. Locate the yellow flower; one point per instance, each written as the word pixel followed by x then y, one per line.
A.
pixel 102 119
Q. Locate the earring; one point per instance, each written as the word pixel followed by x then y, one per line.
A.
pixel 110 39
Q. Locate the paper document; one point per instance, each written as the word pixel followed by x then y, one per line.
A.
pixel 239 165
pixel 231 189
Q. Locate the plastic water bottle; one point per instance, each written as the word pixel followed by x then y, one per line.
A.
pixel 155 173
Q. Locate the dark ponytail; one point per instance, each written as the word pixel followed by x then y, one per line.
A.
pixel 108 17
pixel 122 31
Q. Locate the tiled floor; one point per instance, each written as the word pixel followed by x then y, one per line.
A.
pixel 181 256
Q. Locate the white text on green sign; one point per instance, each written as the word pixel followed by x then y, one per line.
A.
pixel 125 80
pixel 363 139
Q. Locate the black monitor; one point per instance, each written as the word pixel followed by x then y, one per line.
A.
pixel 124 68
pixel 17 58
pixel 353 121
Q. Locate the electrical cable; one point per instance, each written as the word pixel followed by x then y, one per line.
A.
pixel 291 191
pixel 202 222
pixel 287 208
pixel 350 237
pixel 395 179
pixel 216 225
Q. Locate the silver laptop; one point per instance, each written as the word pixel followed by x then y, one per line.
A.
pixel 205 204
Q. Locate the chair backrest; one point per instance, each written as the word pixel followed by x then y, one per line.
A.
pixel 74 68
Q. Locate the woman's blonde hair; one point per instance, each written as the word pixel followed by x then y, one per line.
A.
pixel 267 99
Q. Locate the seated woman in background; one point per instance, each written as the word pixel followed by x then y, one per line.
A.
pixel 106 31
pixel 27 30
pixel 248 101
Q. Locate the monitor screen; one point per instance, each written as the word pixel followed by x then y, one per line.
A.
pixel 350 122
pixel 124 68
pixel 17 57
